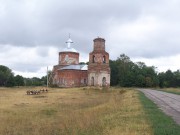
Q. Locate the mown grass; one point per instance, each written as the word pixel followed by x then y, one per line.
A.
pixel 74 111
pixel 160 123
pixel 171 90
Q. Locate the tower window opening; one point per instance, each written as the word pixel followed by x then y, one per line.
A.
pixel 104 59
pixel 93 60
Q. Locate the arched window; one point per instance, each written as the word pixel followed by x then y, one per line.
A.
pixel 60 81
pixel 93 60
pixel 104 81
pixel 84 81
pixel 104 59
pixel 92 81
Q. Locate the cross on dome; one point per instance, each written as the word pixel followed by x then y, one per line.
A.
pixel 69 42
pixel 69 47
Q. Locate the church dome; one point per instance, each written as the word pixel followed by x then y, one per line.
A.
pixel 69 48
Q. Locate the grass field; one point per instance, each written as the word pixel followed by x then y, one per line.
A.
pixel 77 111
pixel 171 90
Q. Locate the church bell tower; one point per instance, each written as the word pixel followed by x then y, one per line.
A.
pixel 98 68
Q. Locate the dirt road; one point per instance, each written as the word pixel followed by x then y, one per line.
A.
pixel 167 102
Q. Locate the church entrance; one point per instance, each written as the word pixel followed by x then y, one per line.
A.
pixel 104 81
pixel 92 81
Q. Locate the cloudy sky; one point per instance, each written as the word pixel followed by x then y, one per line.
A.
pixel 32 32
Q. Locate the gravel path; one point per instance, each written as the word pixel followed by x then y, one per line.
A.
pixel 167 102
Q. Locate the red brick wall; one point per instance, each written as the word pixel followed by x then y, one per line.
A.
pixel 99 44
pixel 68 58
pixel 98 57
pixel 72 78
pixel 98 67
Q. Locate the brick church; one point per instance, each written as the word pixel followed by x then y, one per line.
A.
pixel 69 73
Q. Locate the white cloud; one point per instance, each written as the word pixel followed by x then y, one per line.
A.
pixel 162 63
pixel 29 60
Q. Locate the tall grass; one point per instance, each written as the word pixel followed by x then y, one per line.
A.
pixel 74 111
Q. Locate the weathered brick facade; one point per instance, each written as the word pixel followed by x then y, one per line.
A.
pixel 68 72
pixel 68 58
pixel 72 78
pixel 98 68
pixel 65 59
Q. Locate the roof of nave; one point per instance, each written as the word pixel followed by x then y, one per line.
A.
pixel 75 67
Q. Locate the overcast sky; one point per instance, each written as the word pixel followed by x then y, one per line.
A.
pixel 32 32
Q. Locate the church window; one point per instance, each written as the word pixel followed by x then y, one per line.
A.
pixel 60 80
pixel 59 57
pixel 84 81
pixel 93 60
pixel 81 81
pixel 66 58
pixel 104 59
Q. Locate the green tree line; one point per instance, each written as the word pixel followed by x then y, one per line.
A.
pixel 8 79
pixel 124 73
